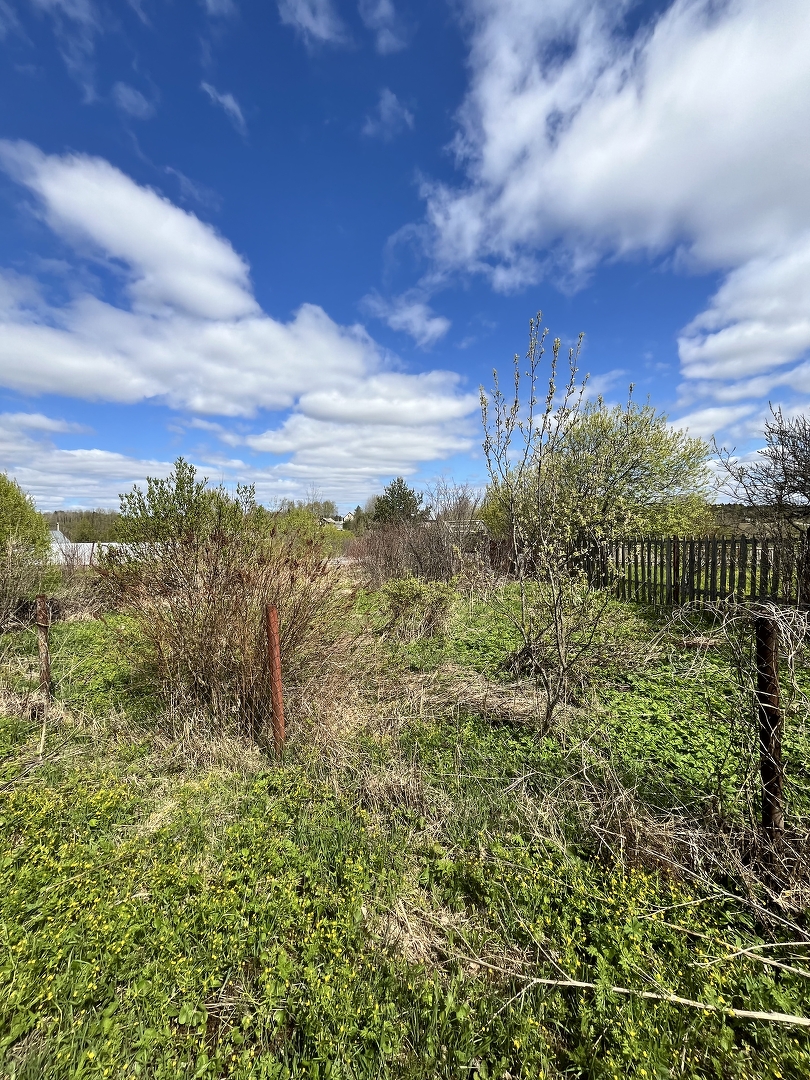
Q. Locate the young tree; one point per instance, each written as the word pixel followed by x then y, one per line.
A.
pixel 620 471
pixel 399 504
pixel 558 616
pixel 776 484
pixel 20 523
pixel 628 473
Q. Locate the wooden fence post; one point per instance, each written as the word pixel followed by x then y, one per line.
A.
pixel 676 571
pixel 276 694
pixel 43 623
pixel 770 727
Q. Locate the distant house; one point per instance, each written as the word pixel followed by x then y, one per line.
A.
pixel 337 522
pixel 66 553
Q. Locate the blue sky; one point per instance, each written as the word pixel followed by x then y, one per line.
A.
pixel 290 238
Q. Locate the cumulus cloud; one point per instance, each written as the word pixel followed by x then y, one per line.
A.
pixel 174 261
pixel 230 105
pixel 57 477
pixel 381 17
pixel 579 142
pixel 390 117
pixel 409 314
pixel 132 101
pixel 190 334
pixel 316 21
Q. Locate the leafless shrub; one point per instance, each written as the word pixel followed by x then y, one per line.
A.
pixel 201 629
pixel 21 572
pixel 197 569
pixel 450 541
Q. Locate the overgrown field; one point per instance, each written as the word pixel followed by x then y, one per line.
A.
pixel 405 894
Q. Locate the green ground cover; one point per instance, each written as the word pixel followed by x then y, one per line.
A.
pixel 379 909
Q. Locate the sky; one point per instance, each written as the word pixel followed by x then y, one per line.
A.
pixel 289 239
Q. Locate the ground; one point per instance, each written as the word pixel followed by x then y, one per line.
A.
pixel 382 902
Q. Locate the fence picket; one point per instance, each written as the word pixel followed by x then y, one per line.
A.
pixel 753 591
pixel 669 571
pixel 723 567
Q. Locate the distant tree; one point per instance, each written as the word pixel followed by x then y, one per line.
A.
pixel 398 504
pixel 20 522
pixel 358 521
pixel 319 508
pixel 83 526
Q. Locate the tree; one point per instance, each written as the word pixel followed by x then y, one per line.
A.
pixel 558 616
pixel 629 473
pixel 776 484
pixel 399 504
pixel 620 471
pixel 564 475
pixel 20 523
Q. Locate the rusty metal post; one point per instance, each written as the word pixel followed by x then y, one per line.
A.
pixel 274 660
pixel 770 727
pixel 43 623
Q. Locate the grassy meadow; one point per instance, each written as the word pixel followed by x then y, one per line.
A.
pixel 407 893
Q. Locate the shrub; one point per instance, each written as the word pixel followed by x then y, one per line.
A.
pixel 22 572
pixel 414 608
pixel 197 567
pixel 19 521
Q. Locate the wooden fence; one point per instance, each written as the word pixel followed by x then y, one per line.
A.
pixel 678 571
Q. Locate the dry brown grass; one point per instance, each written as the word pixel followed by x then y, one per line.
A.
pixel 201 630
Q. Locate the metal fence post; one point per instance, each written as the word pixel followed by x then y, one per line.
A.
pixel 276 693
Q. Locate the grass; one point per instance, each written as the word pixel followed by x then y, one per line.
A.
pixel 376 906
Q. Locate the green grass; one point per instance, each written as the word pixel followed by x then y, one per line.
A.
pixel 321 918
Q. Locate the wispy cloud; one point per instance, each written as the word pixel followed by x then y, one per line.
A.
pixel 382 18
pixel 389 119
pixel 8 19
pixel 132 101
pixel 316 21
pixel 76 24
pixel 409 314
pixel 229 103
pixel 220 8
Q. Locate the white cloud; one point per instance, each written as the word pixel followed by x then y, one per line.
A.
pixel 316 21
pixel 229 103
pixel 175 261
pixel 132 101
pixel 410 314
pixel 579 143
pixel 192 335
pixel 57 477
pixel 390 118
pixel 739 420
pixel 381 17
pixel 669 138
pixel 757 322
